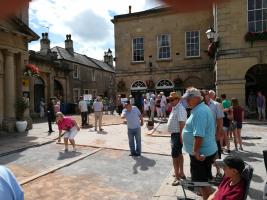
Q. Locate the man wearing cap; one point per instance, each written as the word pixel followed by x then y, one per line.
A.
pixel 199 139
pixel 232 186
pixel 218 116
pixel 134 120
pixel 175 126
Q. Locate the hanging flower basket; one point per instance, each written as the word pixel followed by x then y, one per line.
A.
pixel 251 37
pixel 31 70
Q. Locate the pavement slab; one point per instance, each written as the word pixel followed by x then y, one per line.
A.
pixel 108 174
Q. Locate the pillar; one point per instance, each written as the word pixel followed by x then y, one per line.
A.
pixel 1 88
pixel 9 92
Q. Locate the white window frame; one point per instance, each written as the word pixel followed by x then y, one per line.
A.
pixel 188 56
pixel 158 47
pixel 138 49
pixel 79 94
pixel 254 22
pixel 76 71
pixel 94 91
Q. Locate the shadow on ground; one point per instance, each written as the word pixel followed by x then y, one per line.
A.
pixel 143 163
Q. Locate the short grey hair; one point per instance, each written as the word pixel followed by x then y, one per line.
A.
pixel 59 114
pixel 212 92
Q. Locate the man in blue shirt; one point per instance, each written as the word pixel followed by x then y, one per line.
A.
pixel 134 120
pixel 199 139
pixel 9 187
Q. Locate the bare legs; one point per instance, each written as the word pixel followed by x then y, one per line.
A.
pixel 72 143
pixel 237 138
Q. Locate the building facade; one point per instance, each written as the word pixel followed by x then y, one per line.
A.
pixel 241 64
pixel 67 75
pixel 14 38
pixel 160 50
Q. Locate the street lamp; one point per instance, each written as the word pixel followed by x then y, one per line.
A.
pixel 210 34
pixel 213 46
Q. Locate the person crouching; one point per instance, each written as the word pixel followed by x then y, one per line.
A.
pixel 70 127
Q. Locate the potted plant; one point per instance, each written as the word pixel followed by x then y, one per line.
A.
pixel 21 106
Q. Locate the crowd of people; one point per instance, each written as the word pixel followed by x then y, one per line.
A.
pixel 204 133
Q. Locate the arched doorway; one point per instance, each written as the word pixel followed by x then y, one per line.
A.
pixel 256 80
pixel 165 86
pixel 138 88
pixel 39 93
pixel 58 89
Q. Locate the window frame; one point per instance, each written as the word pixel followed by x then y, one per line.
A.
pixel 198 56
pixel 86 90
pixel 77 71
pixel 138 61
pixel 254 20
pixel 169 36
pixel 93 75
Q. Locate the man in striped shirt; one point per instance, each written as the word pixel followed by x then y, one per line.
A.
pixel 175 126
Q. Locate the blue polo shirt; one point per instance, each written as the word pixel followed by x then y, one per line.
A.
pixel 201 123
pixel 132 117
pixel 9 187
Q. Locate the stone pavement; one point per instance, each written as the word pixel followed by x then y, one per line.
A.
pixel 115 137
pixel 37 136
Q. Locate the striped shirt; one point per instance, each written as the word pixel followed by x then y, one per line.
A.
pixel 177 115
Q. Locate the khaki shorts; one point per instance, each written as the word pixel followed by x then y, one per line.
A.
pixel 71 133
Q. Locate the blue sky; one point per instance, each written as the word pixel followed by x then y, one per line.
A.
pixel 87 20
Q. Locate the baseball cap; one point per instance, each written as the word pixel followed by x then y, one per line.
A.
pixel 192 92
pixel 232 162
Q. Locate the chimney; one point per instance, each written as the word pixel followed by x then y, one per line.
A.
pixel 130 9
pixel 69 44
pixel 108 57
pixel 45 44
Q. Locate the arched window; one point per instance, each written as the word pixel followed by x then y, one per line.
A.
pixel 164 84
pixel 139 85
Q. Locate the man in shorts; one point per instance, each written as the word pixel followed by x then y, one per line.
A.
pixel 199 139
pixel 175 126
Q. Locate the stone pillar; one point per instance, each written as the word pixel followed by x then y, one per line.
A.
pixel 9 92
pixel 1 88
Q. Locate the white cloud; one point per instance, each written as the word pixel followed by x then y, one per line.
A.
pixel 87 20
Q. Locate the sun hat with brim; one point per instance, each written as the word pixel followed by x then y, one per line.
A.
pixel 192 92
pixel 173 95
pixel 234 162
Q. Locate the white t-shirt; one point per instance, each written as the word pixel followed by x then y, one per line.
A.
pixel 163 101
pixel 83 106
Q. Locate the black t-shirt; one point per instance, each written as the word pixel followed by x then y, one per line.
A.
pixel 226 121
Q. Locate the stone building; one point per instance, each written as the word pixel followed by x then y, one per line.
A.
pixel 160 50
pixel 241 64
pixel 14 38
pixel 68 75
pixel 53 79
pixel 89 75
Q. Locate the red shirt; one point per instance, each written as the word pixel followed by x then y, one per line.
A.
pixel 230 192
pixel 65 124
pixel 237 111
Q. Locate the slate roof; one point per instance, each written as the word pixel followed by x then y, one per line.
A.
pixel 64 54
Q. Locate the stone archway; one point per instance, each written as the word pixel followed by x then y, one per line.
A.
pixel 58 89
pixel 39 93
pixel 256 80
pixel 138 89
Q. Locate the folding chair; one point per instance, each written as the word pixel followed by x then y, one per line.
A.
pixel 246 175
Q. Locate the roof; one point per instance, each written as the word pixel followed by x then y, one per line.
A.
pixel 157 9
pixel 64 54
pixel 103 65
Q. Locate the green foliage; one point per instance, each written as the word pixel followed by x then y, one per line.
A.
pixel 21 106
